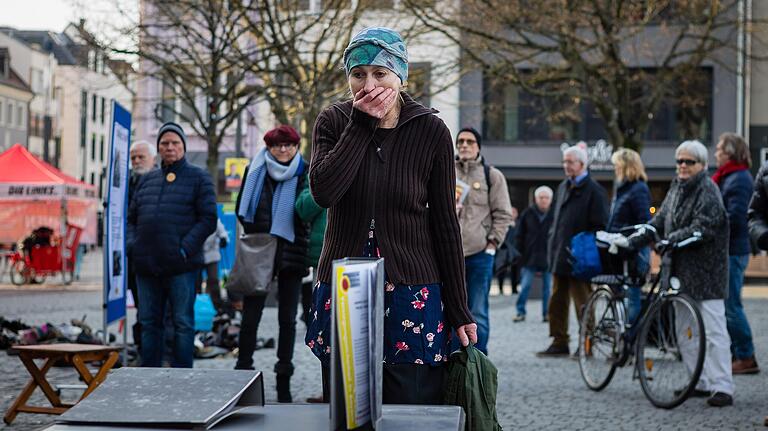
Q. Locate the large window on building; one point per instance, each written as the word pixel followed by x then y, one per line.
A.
pixel 512 115
pixel 168 103
pixel 83 117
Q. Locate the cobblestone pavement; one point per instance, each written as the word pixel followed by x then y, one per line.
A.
pixel 533 393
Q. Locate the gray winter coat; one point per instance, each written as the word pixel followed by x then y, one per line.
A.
pixel 695 205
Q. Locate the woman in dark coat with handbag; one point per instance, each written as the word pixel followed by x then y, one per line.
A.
pixel 265 204
pixel 631 205
pixel 383 166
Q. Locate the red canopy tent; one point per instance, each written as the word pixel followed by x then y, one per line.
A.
pixel 34 193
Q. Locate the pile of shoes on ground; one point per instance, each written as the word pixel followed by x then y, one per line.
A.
pixel 17 332
pixel 223 339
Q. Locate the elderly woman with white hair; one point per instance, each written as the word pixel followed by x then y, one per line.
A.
pixel 693 206
pixel 531 241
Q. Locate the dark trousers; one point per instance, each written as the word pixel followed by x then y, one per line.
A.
pixel 514 275
pixel 136 328
pixel 157 294
pixel 253 308
pixel 564 288
pixel 288 292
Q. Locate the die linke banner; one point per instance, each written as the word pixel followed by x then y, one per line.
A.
pixel 37 191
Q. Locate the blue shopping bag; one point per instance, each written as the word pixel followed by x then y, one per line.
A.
pixel 585 258
pixel 204 312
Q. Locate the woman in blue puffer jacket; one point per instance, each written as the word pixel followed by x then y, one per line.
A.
pixel 631 205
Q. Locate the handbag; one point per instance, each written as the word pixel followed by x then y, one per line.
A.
pixel 254 265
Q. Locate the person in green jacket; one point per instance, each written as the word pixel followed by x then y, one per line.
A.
pixel 316 216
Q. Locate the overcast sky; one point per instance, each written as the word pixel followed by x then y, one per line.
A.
pixel 38 14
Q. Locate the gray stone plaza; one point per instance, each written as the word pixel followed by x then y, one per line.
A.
pixel 533 393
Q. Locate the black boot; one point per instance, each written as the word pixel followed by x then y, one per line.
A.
pixel 283 377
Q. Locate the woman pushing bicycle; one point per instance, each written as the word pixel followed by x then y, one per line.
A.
pixel 693 208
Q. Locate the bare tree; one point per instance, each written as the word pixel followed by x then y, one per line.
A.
pixel 236 53
pixel 193 47
pixel 300 51
pixel 573 52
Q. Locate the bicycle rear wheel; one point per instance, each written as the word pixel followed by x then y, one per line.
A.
pixel 599 336
pixel 19 273
pixel 670 350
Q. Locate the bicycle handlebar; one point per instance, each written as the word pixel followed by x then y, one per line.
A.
pixel 663 245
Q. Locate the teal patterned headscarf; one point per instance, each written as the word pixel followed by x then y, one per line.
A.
pixel 378 46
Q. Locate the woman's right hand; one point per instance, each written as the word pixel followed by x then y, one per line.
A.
pixel 376 103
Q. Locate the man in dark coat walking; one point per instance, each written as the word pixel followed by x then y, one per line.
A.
pixel 533 229
pixel 581 204
pixel 172 212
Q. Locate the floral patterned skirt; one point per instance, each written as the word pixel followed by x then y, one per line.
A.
pixel 414 327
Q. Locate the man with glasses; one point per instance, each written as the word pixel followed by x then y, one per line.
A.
pixel 484 217
pixel 581 204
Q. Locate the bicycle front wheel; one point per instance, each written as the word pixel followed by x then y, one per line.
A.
pixel 670 350
pixel 599 336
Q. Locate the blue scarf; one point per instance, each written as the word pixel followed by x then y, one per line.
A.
pixel 287 177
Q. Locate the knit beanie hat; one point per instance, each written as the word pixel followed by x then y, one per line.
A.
pixel 175 128
pixel 378 46
pixel 473 131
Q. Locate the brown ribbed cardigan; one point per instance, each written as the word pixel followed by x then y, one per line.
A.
pixel 407 185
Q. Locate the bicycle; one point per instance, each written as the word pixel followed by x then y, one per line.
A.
pixel 667 339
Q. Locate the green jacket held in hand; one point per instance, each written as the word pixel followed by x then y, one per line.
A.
pixel 472 384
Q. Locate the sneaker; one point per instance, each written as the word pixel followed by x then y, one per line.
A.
pixel 553 352
pixel 519 318
pixel 720 399
pixel 544 319
pixel 745 366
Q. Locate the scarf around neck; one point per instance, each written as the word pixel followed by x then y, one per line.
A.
pixel 728 168
pixel 287 178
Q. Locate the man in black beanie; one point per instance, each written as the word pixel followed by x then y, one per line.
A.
pixel 172 212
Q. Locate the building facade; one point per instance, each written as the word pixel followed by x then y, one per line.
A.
pixel 84 87
pixel 37 68
pixel 15 96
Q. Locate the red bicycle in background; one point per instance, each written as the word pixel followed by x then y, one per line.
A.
pixel 44 254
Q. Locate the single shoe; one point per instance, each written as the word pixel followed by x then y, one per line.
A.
pixel 545 319
pixel 697 393
pixel 553 352
pixel 745 366
pixel 720 399
pixel 519 318
pixel 315 400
